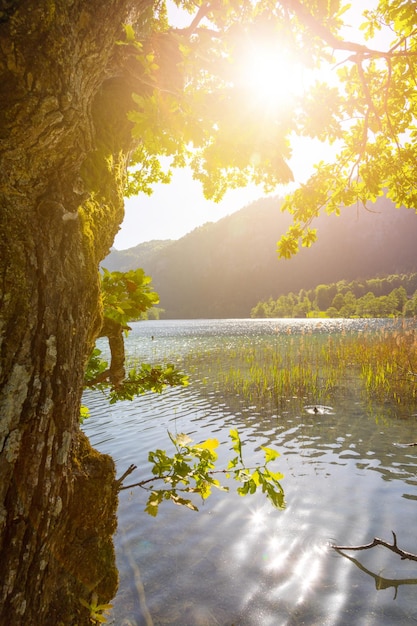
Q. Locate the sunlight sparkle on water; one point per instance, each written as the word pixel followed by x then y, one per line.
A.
pixel 279 553
pixel 255 525
pixel 308 569
pixel 257 519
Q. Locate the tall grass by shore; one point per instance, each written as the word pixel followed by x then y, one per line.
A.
pixel 311 366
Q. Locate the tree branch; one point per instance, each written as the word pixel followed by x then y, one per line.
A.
pixel 142 483
pixel 129 470
pixel 322 31
pixel 380 542
pixel 339 44
pixel 114 333
pixel 199 16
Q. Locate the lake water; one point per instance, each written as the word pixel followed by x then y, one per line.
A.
pixel 238 561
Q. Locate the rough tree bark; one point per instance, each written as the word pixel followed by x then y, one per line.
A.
pixel 63 144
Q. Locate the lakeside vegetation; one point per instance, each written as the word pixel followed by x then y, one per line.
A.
pixel 309 366
pixel 390 296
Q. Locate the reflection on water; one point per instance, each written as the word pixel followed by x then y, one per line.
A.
pixel 380 581
pixel 239 561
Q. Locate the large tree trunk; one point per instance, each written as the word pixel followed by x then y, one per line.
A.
pixel 63 141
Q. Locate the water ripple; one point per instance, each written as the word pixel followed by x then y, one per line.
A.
pixel 239 561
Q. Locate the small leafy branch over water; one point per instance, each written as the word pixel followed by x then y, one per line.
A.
pixel 191 471
pixel 140 379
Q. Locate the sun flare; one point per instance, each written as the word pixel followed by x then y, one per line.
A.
pixel 271 77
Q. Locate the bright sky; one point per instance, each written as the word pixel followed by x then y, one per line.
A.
pixel 174 210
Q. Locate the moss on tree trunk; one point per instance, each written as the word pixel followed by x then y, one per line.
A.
pixel 64 140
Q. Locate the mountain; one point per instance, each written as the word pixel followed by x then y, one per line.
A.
pixel 223 269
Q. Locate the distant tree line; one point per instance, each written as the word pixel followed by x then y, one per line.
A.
pixel 393 295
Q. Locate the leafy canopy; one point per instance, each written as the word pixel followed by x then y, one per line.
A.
pixel 192 108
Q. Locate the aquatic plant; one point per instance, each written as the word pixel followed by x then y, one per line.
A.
pixel 310 366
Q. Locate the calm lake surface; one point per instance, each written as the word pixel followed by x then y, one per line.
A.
pixel 238 561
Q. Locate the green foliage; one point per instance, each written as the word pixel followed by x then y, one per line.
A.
pixel 371 113
pixel 260 477
pixel 191 471
pixel 187 108
pixel 392 296
pixel 139 380
pixel 126 295
pixel 191 107
pixel 188 471
pixel 84 413
pixel 147 172
pixel 145 378
pixel 97 611
pixel 96 366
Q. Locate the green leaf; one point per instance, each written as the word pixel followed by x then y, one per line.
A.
pixel 204 488
pixel 236 443
pixel 183 502
pixel 129 32
pixel 153 503
pixel 84 413
pixel 274 476
pixel 257 478
pixel 276 496
pixel 270 454
pixel 233 462
pixel 243 491
pixel 182 440
pixel 209 444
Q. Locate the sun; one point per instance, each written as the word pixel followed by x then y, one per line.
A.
pixel 271 77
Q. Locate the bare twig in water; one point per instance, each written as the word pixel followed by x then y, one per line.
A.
pixel 129 470
pixel 380 542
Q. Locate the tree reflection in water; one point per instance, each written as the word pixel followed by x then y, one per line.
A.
pixel 380 581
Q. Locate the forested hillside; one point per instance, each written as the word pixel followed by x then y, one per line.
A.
pixel 223 269
pixel 394 295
